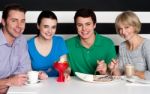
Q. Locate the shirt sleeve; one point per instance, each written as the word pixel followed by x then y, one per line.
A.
pixel 146 51
pixel 120 58
pixel 24 59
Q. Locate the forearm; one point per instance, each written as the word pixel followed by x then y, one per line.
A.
pixel 4 83
pixel 140 74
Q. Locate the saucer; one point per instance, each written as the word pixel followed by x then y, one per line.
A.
pixel 142 81
pixel 132 79
pixel 28 83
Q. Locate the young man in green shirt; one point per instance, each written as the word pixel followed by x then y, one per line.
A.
pixel 89 51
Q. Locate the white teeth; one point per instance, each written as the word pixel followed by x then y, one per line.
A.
pixel 84 33
pixel 18 30
pixel 48 34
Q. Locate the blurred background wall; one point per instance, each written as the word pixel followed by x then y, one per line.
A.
pixel 106 12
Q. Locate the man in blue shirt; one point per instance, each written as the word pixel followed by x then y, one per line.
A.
pixel 14 57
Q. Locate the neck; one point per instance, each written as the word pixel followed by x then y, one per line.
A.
pixel 8 37
pixel 43 41
pixel 88 42
pixel 134 42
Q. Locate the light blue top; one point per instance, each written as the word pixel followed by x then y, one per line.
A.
pixel 139 57
pixel 14 59
pixel 45 63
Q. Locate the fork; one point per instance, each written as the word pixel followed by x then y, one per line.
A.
pixel 111 74
pixel 94 76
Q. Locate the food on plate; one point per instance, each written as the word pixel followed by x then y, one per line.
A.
pixel 102 78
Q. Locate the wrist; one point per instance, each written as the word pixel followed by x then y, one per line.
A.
pixel 68 71
pixel 8 82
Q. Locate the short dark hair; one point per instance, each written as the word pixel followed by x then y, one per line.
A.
pixel 46 14
pixel 10 7
pixel 85 13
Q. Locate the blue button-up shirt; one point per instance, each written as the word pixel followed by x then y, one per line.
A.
pixel 14 59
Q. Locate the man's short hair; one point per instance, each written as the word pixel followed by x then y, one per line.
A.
pixel 85 13
pixel 10 7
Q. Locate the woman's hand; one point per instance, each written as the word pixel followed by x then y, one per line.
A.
pixel 140 74
pixel 42 75
pixel 101 67
pixel 67 74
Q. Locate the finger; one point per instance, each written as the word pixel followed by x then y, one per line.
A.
pixel 100 62
pixel 110 65
pixel 22 75
pixel 114 61
pixel 67 76
pixel 43 76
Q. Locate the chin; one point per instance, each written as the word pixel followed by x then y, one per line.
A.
pixel 16 35
pixel 48 38
pixel 84 36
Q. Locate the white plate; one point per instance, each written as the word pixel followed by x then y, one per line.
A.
pixel 85 77
pixel 90 78
pixel 136 79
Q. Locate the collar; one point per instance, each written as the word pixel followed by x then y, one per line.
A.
pixel 97 41
pixel 4 41
pixel 2 38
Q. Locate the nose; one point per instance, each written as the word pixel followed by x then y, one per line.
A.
pixel 83 27
pixel 122 31
pixel 20 24
pixel 49 30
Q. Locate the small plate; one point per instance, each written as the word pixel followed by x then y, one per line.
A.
pixel 143 81
pixel 136 79
pixel 132 79
pixel 28 83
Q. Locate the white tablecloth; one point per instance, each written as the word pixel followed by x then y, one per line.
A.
pixel 77 86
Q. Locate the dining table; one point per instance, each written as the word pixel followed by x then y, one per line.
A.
pixel 78 86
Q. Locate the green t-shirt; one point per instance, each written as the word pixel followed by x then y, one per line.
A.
pixel 83 59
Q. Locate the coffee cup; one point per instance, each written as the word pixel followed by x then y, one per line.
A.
pixel 129 70
pixel 33 77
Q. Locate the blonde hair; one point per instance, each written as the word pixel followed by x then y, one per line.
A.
pixel 128 18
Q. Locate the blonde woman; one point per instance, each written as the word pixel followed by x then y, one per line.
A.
pixel 135 49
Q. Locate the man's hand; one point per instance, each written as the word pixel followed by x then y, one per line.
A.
pixel 101 67
pixel 18 80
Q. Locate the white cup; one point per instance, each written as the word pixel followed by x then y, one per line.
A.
pixel 33 77
pixel 129 70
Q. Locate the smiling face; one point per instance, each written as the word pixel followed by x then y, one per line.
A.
pixel 14 25
pixel 127 24
pixel 47 28
pixel 85 27
pixel 126 31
